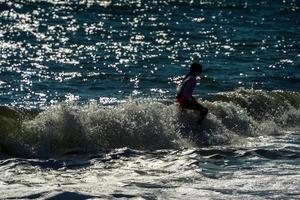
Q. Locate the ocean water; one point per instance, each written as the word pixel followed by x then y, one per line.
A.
pixel 87 107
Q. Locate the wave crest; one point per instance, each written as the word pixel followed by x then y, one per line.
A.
pixel 141 124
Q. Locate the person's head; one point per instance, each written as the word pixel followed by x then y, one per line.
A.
pixel 196 68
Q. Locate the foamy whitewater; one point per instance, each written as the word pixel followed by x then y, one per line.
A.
pixel 87 107
pixel 148 149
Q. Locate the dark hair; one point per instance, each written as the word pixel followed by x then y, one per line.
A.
pixel 196 68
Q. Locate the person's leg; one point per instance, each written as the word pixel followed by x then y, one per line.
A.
pixel 203 110
pixel 195 105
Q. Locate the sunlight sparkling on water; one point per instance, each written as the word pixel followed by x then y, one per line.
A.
pixel 62 42
pixel 87 91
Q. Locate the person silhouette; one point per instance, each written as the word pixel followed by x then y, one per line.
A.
pixel 185 97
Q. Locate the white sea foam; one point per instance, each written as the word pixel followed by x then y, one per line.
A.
pixel 143 125
pixel 148 124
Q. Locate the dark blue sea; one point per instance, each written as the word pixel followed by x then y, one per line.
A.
pixel 87 99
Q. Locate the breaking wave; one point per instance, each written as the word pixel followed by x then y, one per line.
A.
pixel 145 124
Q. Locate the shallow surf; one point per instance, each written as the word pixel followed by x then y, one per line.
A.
pixel 147 124
pixel 87 100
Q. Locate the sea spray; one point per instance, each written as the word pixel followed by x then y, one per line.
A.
pixel 146 124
